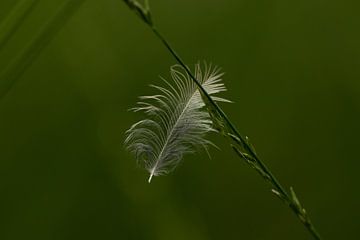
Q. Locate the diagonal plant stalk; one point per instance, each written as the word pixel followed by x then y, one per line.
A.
pixel 222 123
pixel 14 20
pixel 11 74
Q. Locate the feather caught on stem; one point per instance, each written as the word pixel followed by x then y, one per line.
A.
pixel 178 120
pixel 221 122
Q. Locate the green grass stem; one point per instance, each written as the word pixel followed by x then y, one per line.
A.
pixel 14 20
pixel 11 74
pixel 240 144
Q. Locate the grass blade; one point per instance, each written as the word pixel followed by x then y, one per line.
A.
pixel 18 66
pixel 240 144
pixel 14 19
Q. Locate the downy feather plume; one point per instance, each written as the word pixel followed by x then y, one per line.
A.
pixel 177 120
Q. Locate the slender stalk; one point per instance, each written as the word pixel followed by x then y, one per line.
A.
pixel 280 189
pixel 12 73
pixel 240 144
pixel 14 20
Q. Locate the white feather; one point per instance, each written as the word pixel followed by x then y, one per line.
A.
pixel 177 122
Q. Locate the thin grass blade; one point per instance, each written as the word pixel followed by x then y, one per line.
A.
pixel 14 20
pixel 19 65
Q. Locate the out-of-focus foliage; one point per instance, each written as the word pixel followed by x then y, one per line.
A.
pixel 291 67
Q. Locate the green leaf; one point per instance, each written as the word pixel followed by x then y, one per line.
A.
pixel 295 198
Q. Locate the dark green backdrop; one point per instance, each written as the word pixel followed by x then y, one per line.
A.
pixel 292 69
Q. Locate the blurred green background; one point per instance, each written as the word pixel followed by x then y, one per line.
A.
pixel 292 69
